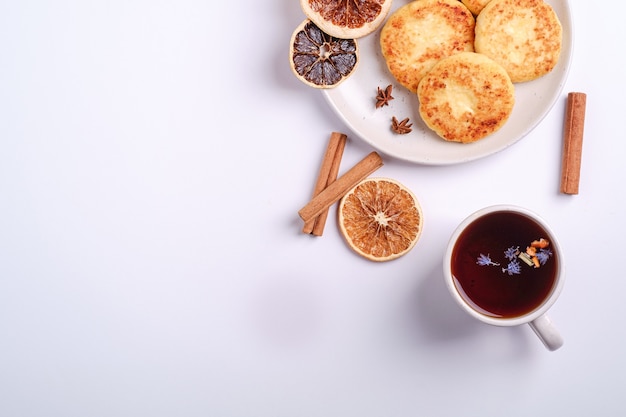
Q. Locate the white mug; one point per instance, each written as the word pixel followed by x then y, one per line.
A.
pixel 512 263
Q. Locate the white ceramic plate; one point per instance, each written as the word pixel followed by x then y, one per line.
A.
pixel 354 101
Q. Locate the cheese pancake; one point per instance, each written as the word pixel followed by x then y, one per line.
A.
pixel 417 35
pixel 466 97
pixel 524 36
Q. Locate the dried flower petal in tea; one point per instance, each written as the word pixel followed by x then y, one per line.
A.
pixel 484 260
pixel 531 257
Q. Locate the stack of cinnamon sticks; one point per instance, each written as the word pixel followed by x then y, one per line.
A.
pixel 328 188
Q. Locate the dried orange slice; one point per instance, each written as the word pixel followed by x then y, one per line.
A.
pixel 320 60
pixel 380 219
pixel 347 19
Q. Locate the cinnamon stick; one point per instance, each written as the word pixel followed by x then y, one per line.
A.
pixel 573 142
pixel 335 146
pixel 340 187
pixel 320 221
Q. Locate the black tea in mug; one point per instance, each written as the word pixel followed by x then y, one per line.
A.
pixel 503 264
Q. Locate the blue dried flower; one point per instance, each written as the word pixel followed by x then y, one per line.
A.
pixel 514 267
pixel 543 255
pixel 485 260
pixel 511 252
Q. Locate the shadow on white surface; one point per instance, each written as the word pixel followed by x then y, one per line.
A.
pixel 436 321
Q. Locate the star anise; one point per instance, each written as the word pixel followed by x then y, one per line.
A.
pixel 384 96
pixel 401 127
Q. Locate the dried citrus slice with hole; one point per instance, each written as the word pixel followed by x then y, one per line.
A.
pixel 320 60
pixel 380 219
pixel 347 19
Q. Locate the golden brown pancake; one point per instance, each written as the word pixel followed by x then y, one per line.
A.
pixel 524 36
pixel 466 97
pixel 417 35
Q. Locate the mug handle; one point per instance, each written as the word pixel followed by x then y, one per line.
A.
pixel 547 332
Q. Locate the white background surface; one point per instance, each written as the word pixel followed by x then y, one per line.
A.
pixel 153 157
